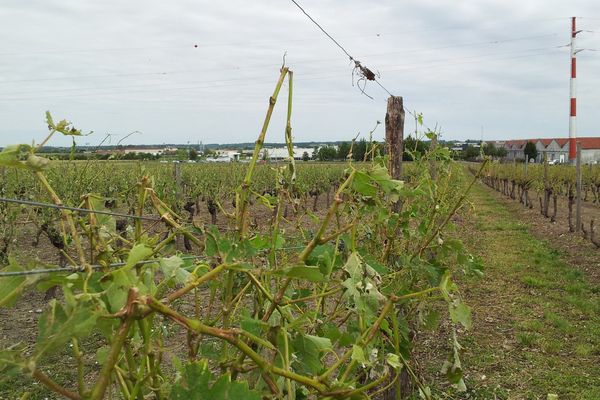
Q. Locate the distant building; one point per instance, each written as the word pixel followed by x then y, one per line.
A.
pixel 139 150
pixel 225 156
pixel 281 153
pixel 554 149
pixel 459 146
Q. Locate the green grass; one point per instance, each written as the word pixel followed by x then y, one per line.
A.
pixel 526 339
pixel 545 337
pixel 533 282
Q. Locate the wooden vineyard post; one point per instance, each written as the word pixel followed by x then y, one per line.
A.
pixel 578 204
pixel 394 134
pixel 394 137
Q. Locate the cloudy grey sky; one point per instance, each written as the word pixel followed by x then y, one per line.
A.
pixel 120 66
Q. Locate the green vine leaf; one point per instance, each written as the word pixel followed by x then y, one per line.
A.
pixel 65 127
pixel 361 285
pixel 305 272
pixel 11 287
pixel 461 313
pixel 58 325
pixel 18 156
pixel 195 384
pixel 9 363
pixel 172 268
pixel 308 351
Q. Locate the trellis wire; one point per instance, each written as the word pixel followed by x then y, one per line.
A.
pixel 80 268
pixel 357 63
pixel 83 210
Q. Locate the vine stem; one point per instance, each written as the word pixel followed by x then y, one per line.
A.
pixel 50 384
pixel 330 213
pixel 80 372
pixel 116 346
pixel 313 243
pixel 66 215
pixel 459 202
pixel 204 278
pixel 232 337
pixel 243 191
pixel 52 132
pixel 370 334
pixel 111 360
pixel 286 362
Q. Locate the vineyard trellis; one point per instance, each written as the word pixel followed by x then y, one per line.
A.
pixel 550 182
pixel 309 305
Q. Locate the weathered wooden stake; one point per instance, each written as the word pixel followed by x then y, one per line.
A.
pixel 394 134
pixel 578 203
pixel 394 138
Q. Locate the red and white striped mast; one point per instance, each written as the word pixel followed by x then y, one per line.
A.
pixel 573 93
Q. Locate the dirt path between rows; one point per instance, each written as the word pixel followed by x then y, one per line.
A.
pixel 536 311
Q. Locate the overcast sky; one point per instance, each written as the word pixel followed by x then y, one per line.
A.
pixel 114 67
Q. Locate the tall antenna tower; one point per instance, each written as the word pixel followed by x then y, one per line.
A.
pixel 573 93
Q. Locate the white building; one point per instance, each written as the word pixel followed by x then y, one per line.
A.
pixel 225 156
pixel 281 153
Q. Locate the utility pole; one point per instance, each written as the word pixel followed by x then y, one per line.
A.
pixel 573 93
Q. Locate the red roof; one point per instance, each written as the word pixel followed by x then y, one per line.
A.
pixel 586 142
pixel 562 142
pixel 589 142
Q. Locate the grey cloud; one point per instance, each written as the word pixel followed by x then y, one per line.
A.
pixel 117 66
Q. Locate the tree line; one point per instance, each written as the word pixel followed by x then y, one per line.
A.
pixel 362 147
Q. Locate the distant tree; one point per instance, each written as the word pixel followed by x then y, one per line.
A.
pixel 343 150
pixel 359 150
pixel 182 154
pixel 530 151
pixel 305 156
pixel 209 153
pixel 193 154
pixel 489 149
pixel 413 146
pixel 327 153
pixel 470 153
pixel 501 152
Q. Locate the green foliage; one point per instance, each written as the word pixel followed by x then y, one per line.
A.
pixel 309 352
pixel 343 151
pixel 195 384
pixel 530 151
pixel 306 312
pixel 413 147
pixel 12 287
pixel 470 153
pixel 60 323
pixel 326 153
